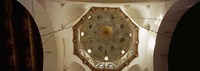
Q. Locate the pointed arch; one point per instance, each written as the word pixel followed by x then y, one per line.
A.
pixel 21 46
pixel 167 27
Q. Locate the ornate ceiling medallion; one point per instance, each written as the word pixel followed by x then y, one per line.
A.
pixel 105 37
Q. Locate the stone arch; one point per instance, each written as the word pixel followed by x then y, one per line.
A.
pixel 22 46
pixel 167 28
pixel 45 27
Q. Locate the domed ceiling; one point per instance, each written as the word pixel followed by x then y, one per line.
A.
pixel 105 38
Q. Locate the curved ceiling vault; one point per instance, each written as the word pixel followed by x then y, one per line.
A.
pixel 58 19
pixel 74 66
pixel 106 34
